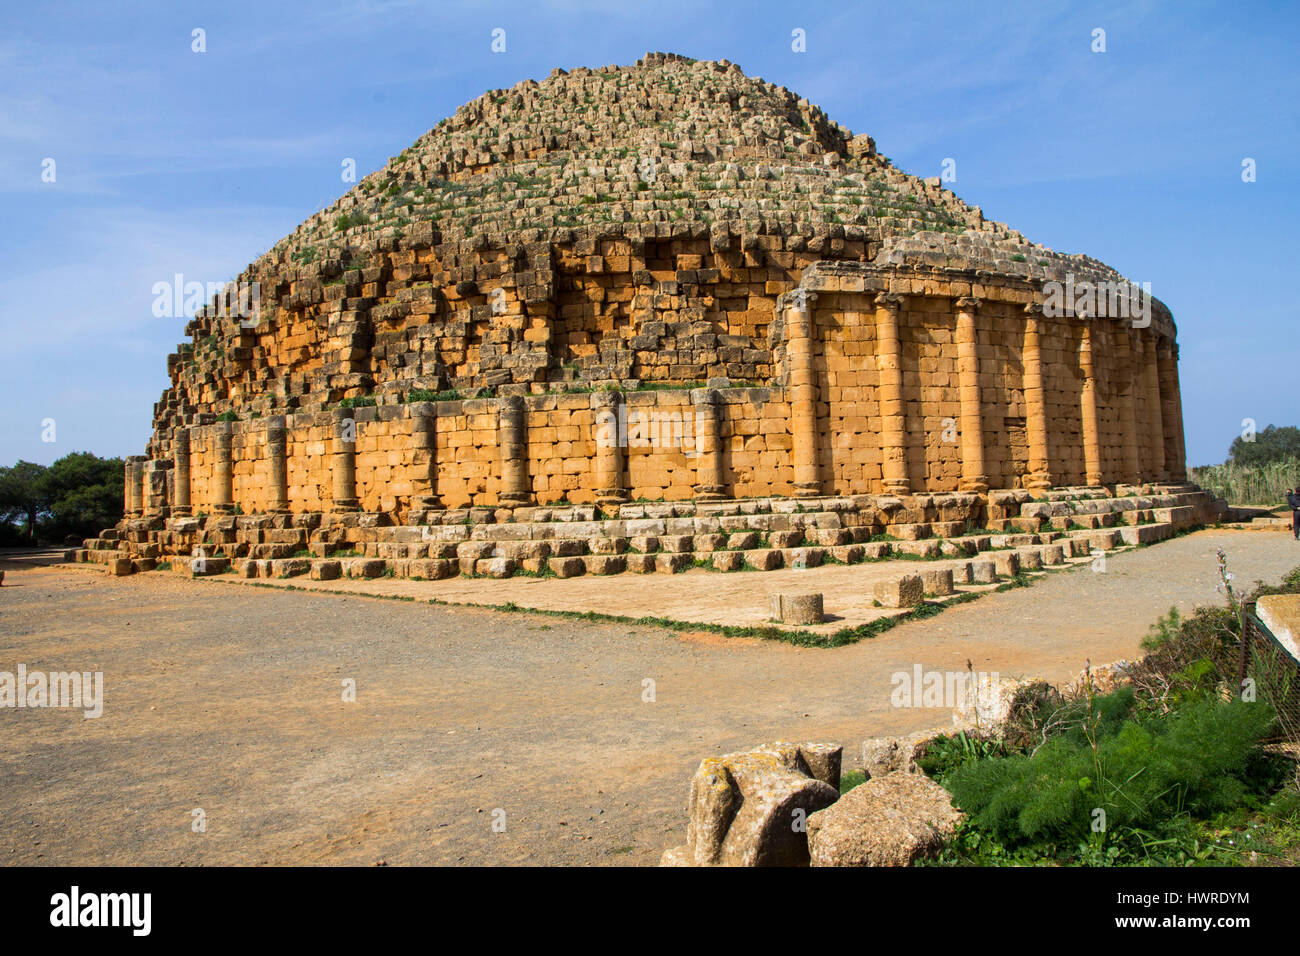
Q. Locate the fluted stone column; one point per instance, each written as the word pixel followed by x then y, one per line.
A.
pixel 1039 477
pixel 610 435
pixel 1155 437
pixel 515 488
pixel 799 353
pixel 1171 396
pixel 278 452
pixel 708 444
pixel 343 461
pixel 223 492
pixel 424 451
pixel 889 396
pixel 1128 384
pixel 181 471
pixel 973 476
pixel 1088 409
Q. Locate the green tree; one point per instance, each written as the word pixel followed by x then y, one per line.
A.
pixel 23 496
pixel 84 495
pixel 1270 445
pixel 77 495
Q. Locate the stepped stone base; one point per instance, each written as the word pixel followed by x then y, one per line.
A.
pixel 739 535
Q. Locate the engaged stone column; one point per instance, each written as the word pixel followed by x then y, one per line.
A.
pixel 180 471
pixel 799 355
pixel 1127 402
pixel 154 487
pixel 1155 439
pixel 223 492
pixel 973 477
pixel 137 485
pixel 1039 477
pixel 128 486
pixel 277 450
pixel 1088 410
pixel 1171 396
pixel 515 489
pixel 889 396
pixel 708 444
pixel 424 455
pixel 610 432
pixel 343 461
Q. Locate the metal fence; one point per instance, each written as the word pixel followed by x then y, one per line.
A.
pixel 1273 675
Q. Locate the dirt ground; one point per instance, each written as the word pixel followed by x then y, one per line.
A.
pixel 228 699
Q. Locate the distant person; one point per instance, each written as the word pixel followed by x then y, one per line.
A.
pixel 1293 502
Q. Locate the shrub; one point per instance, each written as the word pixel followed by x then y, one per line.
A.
pixel 1197 759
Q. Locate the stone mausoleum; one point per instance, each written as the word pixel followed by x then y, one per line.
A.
pixel 644 318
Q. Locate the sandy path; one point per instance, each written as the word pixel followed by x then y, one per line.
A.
pixel 228 698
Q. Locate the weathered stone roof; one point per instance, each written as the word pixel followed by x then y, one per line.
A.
pixel 667 146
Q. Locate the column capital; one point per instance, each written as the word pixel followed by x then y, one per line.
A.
pixel 797 298
pixel 890 300
pixel 1034 310
pixel 969 303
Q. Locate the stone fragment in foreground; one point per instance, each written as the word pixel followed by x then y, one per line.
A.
pixel 893 820
pixel 749 809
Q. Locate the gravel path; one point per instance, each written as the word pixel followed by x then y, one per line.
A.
pixel 229 699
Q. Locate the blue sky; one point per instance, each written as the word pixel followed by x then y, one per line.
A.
pixel 170 161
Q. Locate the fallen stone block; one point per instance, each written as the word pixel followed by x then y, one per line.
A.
pixel 567 567
pixel 1031 559
pixel 797 608
pixel 763 559
pixel 907 591
pixel 983 572
pixel 325 570
pixel 672 562
pixel 893 820
pixel 1007 563
pixel 728 560
pixel 1053 554
pixel 605 563
pixel 640 563
pixel 938 582
pixel 961 573
pixel 498 567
